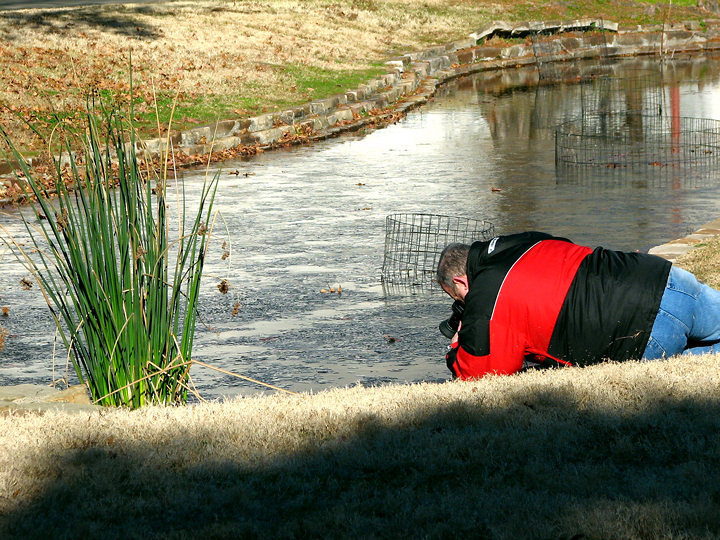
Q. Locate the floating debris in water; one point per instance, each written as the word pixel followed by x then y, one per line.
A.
pixel 332 290
pixel 236 172
pixel 5 311
pixel 61 219
pixel 224 286
pixel 26 283
pixel 236 309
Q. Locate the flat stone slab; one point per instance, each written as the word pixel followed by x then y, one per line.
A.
pixel 40 407
pixel 24 393
pixel 670 251
pixel 679 247
pixel 34 398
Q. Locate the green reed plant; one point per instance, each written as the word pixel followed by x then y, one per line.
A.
pixel 123 294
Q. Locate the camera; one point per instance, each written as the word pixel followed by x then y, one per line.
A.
pixel 449 327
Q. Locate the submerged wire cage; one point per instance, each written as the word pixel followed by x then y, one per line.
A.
pixel 413 243
pixel 550 61
pixel 620 145
pixel 638 92
pixel 550 54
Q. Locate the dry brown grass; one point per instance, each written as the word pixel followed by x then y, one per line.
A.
pixel 225 58
pixel 613 451
pixel 704 262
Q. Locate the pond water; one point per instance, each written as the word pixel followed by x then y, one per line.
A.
pixel 312 218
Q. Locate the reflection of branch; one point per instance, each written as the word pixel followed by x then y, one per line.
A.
pixel 666 16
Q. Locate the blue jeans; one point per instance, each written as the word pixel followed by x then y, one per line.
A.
pixel 688 321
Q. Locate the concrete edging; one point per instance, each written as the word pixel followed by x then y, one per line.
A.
pixel 675 249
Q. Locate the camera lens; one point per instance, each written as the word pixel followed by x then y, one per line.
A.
pixel 449 327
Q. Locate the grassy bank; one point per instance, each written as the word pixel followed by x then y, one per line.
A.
pixel 704 262
pixel 614 451
pixel 235 58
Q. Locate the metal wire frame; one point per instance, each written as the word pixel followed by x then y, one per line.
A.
pixel 413 243
pixel 639 91
pixel 627 145
pixel 550 55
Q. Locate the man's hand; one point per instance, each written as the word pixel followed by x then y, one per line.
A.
pixel 455 338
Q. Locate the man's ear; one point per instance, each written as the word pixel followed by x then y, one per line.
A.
pixel 461 286
pixel 461 280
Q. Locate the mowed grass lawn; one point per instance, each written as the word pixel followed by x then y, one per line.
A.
pixel 235 58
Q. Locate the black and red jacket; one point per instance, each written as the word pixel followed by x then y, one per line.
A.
pixel 534 297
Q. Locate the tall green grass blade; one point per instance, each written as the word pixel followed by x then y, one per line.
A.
pixel 103 260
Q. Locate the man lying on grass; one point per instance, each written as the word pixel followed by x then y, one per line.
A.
pixel 534 299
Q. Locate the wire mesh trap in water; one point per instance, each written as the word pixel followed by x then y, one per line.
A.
pixel 413 243
pixel 623 145
pixel 550 51
pixel 639 91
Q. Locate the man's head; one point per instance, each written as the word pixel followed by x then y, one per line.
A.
pixel 452 270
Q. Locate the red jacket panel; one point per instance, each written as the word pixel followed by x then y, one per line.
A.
pixel 526 308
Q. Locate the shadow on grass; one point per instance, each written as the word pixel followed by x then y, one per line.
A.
pixel 543 467
pixel 121 20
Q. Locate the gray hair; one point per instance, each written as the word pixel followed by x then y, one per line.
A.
pixel 452 263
